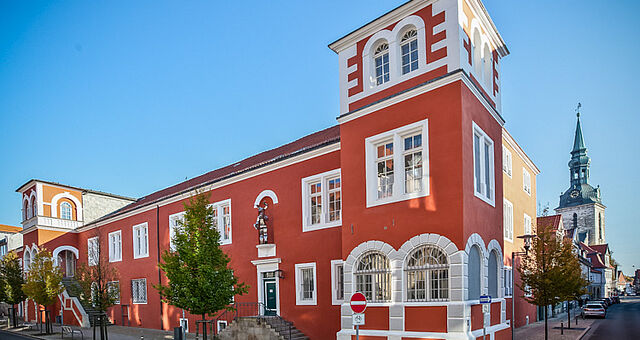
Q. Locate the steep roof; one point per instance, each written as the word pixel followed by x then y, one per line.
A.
pixel 600 248
pixel 578 141
pixel 305 144
pixel 553 221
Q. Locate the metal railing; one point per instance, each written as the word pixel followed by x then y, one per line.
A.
pixel 256 310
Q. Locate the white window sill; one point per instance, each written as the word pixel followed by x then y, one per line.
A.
pixel 139 303
pixel 140 256
pixel 306 303
pixel 115 260
pixel 399 198
pixel 224 243
pixel 320 226
pixel 508 240
pixel 485 199
pixel 337 302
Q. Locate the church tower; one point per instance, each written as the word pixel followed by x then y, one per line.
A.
pixel 581 205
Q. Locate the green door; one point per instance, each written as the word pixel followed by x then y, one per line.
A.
pixel 270 296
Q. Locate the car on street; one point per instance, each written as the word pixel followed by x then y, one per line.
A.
pixel 600 302
pixel 594 309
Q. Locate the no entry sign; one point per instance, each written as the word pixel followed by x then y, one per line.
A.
pixel 358 302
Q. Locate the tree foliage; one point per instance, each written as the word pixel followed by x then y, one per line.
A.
pixel 97 283
pixel 200 280
pixel 12 279
pixel 43 280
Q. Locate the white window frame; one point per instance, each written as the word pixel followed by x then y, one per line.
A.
pixel 113 251
pixel 172 227
pixel 507 281
pixel 146 292
pixel 507 220
pixel 527 227
pixel 507 161
pixel 408 42
pixel 62 215
pixel 397 136
pixel 323 178
pixel 334 282
pixel 480 192
pixel 137 254
pixel 219 220
pixel 92 248
pixel 526 181
pixel 298 268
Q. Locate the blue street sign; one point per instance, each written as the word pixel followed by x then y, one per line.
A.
pixel 485 299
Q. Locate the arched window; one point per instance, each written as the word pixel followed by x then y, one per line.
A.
pixel 477 54
pixel 427 275
pixel 25 210
pixel 65 211
pixel 381 62
pixel 493 274
pixel 409 51
pixel 488 66
pixel 373 277
pixel 600 225
pixel 575 220
pixel 27 260
pixel 34 210
pixel 474 273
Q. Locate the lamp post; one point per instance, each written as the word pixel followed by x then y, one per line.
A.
pixel 527 244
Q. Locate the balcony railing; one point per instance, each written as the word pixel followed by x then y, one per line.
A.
pixel 46 221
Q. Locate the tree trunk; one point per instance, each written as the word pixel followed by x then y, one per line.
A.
pixel 204 328
pixel 546 326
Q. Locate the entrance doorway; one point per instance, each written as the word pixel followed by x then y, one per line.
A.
pixel 269 293
pixel 67 261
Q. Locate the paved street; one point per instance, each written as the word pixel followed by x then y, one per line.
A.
pixel 622 322
pixel 12 336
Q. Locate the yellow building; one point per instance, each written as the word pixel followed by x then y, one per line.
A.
pixel 519 216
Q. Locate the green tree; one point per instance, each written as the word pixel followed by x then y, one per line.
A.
pixel 199 278
pixel 43 282
pixel 541 271
pixel 573 284
pixel 97 283
pixel 11 283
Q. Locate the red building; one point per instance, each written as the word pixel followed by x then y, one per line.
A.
pixel 402 200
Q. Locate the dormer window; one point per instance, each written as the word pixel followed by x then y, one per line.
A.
pixel 409 49
pixel 65 211
pixel 381 59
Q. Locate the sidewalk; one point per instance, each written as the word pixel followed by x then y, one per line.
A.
pixel 114 333
pixel 535 331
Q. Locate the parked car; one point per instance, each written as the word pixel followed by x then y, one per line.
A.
pixel 594 309
pixel 601 302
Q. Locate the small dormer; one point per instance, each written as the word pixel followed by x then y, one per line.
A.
pixel 417 43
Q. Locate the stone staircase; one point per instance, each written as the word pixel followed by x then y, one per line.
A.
pixel 72 287
pixel 263 327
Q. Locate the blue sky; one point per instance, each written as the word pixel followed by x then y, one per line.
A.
pixel 129 97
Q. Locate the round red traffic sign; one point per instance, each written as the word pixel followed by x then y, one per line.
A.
pixel 358 302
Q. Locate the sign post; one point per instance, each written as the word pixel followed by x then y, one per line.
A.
pixel 358 305
pixel 485 300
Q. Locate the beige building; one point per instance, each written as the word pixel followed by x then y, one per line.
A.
pixel 519 216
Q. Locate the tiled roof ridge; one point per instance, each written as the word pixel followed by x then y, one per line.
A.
pixel 306 143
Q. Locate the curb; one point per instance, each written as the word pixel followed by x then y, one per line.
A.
pixel 583 333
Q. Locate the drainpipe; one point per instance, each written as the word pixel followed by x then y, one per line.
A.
pixel 158 253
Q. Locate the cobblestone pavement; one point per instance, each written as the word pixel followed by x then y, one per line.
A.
pixel 535 331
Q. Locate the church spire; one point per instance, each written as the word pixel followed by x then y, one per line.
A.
pixel 579 163
pixel 578 142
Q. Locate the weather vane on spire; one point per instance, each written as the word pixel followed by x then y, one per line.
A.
pixel 578 109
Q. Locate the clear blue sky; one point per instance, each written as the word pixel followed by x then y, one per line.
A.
pixel 129 97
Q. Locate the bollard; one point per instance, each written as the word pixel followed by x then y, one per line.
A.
pixel 561 328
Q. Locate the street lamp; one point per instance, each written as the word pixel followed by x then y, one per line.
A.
pixel 527 245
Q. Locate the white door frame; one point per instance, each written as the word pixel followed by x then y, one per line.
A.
pixel 268 265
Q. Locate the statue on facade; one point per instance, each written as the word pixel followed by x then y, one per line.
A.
pixel 261 223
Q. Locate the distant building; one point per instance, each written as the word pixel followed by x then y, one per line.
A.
pixel 581 204
pixel 10 238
